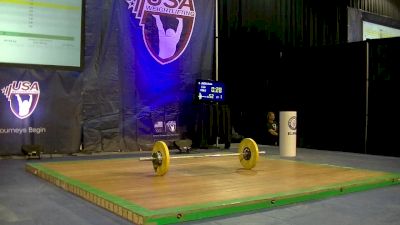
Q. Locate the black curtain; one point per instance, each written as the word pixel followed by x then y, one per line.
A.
pixel 300 47
pixel 384 83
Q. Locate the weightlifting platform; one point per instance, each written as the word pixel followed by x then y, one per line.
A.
pixel 198 188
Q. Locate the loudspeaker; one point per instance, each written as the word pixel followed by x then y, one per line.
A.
pixel 183 145
pixel 32 150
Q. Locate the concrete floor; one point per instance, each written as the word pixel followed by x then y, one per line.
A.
pixel 27 200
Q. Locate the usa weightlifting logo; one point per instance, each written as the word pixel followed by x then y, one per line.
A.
pixel 171 125
pixel 23 97
pixel 167 26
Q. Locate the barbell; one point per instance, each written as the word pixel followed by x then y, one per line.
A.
pixel 248 155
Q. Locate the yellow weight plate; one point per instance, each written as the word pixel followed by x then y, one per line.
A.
pixel 161 158
pixel 248 153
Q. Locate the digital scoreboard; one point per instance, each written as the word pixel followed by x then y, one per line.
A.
pixel 210 91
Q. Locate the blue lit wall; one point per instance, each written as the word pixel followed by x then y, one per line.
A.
pixel 158 92
pixel 128 94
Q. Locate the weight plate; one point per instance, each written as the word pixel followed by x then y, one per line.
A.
pixel 248 153
pixel 161 158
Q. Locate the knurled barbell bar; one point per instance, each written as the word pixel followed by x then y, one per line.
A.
pixel 247 152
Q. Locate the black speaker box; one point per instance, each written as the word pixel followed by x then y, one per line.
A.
pixel 32 150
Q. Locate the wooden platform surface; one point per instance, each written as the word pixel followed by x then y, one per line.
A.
pixel 203 180
pixel 202 184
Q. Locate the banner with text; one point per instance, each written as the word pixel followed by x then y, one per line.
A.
pixel 166 46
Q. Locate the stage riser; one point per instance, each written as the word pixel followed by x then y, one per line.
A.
pixel 201 188
pixel 88 196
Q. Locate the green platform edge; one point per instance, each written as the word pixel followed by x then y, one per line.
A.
pixel 234 206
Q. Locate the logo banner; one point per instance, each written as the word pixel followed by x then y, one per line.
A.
pixel 167 26
pixel 23 97
pixel 167 46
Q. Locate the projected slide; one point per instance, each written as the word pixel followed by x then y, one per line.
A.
pixel 376 31
pixel 41 32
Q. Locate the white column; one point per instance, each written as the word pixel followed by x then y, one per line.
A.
pixel 287 133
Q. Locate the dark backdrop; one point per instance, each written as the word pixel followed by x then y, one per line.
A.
pixel 294 55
